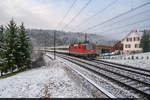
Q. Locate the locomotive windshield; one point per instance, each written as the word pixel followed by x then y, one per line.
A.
pixel 90 46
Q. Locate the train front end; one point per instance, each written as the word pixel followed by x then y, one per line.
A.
pixel 91 48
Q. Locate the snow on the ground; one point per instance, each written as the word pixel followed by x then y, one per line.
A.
pixel 51 81
pixel 145 64
pixel 141 60
pixel 102 82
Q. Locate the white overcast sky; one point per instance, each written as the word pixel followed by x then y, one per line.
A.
pixel 47 14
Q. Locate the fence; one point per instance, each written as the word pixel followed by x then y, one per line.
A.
pixel 142 56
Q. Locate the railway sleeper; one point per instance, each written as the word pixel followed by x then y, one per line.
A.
pixel 142 92
pixel 116 73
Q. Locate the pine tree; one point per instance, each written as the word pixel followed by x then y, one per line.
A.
pixel 1 48
pixel 3 51
pixel 15 48
pixel 11 40
pixel 1 38
pixel 145 42
pixel 25 48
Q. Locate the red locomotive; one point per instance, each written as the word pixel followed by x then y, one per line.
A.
pixel 84 50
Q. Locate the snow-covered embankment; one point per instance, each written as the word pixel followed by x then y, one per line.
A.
pixel 51 80
pixel 141 60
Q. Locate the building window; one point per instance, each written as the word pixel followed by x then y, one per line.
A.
pixel 137 45
pixel 138 38
pixel 127 46
pixel 134 38
pixel 127 39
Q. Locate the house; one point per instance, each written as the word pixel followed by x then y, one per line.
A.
pixel 118 47
pixel 131 43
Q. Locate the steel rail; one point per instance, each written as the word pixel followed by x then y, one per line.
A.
pixel 126 66
pixel 105 92
pixel 82 64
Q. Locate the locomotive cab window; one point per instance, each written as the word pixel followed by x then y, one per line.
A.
pixel 90 46
pixel 79 46
pixel 94 46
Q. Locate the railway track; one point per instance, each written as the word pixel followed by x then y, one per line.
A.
pixel 137 74
pixel 101 89
pixel 124 67
pixel 128 77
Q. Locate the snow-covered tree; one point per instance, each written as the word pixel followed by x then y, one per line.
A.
pixel 15 48
pixel 145 42
pixel 12 39
pixel 1 38
pixel 25 48
pixel 3 50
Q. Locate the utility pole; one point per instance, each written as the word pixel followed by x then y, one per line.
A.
pixel 85 37
pixel 45 46
pixel 54 46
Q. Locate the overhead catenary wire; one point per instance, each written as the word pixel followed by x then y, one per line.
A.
pixel 147 26
pixel 78 13
pixel 122 14
pixel 68 11
pixel 116 28
pixel 95 14
pixel 138 14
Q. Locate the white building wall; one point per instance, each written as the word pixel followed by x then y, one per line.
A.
pixel 131 43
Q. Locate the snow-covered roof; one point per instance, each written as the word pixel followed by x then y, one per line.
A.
pixel 139 33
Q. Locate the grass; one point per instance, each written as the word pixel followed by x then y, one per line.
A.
pixel 10 74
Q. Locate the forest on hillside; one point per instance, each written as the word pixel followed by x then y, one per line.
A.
pixel 46 38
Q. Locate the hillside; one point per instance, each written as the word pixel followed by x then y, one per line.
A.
pixel 45 38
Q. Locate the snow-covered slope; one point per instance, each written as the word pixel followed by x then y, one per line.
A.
pixel 48 81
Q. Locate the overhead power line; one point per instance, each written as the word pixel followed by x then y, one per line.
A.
pixel 68 11
pixel 122 14
pixel 116 28
pixel 147 26
pixel 95 14
pixel 78 13
pixel 143 12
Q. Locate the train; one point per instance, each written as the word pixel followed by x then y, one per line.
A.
pixel 85 50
